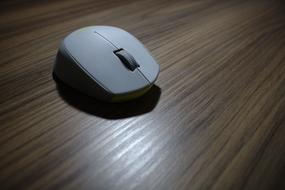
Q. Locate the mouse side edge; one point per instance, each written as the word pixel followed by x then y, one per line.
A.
pixel 76 77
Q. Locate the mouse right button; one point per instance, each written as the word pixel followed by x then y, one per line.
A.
pixel 124 40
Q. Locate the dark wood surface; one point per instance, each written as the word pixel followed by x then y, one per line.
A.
pixel 214 120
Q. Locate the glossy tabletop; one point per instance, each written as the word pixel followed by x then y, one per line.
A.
pixel 215 118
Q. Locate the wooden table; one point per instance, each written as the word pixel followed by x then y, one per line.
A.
pixel 214 120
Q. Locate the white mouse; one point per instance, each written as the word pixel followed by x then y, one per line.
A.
pixel 105 62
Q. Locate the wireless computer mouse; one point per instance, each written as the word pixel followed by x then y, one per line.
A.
pixel 105 62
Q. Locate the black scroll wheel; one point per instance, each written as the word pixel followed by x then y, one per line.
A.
pixel 127 59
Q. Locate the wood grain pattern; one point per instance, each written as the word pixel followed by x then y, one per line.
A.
pixel 214 120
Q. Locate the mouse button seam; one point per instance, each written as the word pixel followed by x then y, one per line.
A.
pixel 79 65
pixel 141 73
pixel 106 39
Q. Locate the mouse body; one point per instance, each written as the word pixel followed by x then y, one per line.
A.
pixel 106 62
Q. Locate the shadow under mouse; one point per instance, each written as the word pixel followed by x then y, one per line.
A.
pixel 90 105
